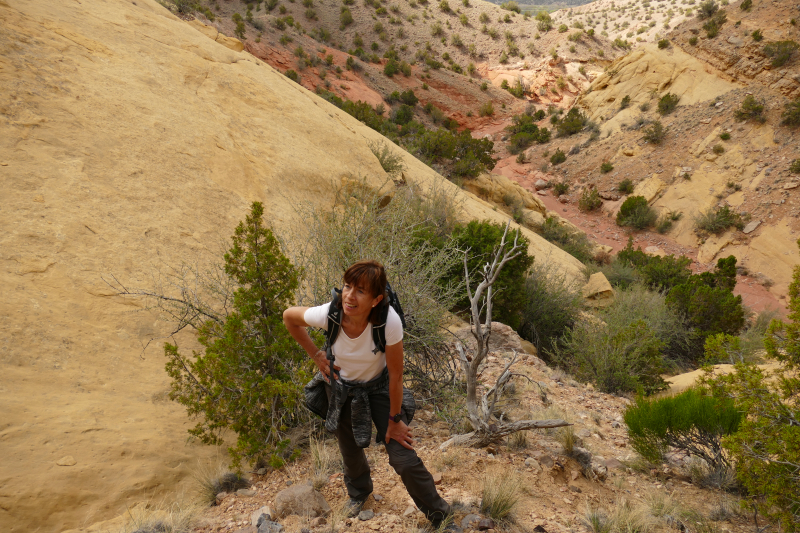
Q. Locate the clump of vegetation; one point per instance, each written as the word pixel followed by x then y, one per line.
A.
pixel 558 157
pixel 606 167
pixel 625 102
pixel 625 186
pixel 757 35
pixel 390 160
pixel 500 495
pixel 707 302
pixel 655 133
pixel 746 5
pixel 791 114
pixel 668 103
pixel 552 303
pixel 663 43
pixel 725 136
pixel 543 21
pixel 250 374
pixel 692 423
pixel 765 449
pixel 590 200
pixel 664 223
pixel 625 349
pixel 457 153
pixel 781 52
pixel 487 109
pixel 573 122
pixel 794 167
pixel 636 213
pixel 751 109
pixel 576 244
pixel 524 132
pixel 658 273
pixel 714 24
pixel 693 40
pixel 718 149
pixel 707 9
pixel 719 219
pixel 292 75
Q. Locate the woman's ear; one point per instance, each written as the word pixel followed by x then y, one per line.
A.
pixel 377 300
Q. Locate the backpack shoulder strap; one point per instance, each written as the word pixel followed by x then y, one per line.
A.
pixel 334 324
pixel 379 331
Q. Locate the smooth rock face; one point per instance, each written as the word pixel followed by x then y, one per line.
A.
pixel 751 226
pixel 301 500
pixel 131 139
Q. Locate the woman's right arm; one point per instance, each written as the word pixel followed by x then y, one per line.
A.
pixel 294 319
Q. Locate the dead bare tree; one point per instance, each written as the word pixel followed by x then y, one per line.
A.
pixel 486 427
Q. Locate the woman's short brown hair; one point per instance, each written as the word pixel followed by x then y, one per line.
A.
pixel 369 275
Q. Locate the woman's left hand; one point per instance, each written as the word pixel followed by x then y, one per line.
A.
pixel 400 432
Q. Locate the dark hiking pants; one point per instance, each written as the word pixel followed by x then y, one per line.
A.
pixel 407 464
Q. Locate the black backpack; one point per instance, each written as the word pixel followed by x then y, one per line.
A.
pixel 378 331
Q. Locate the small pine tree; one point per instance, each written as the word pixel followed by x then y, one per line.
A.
pixel 249 377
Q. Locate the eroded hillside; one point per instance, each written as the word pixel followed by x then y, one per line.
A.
pixel 129 140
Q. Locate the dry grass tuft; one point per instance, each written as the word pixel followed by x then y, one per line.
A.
pixel 628 518
pixel 325 460
pixel 177 517
pixel 518 441
pixel 214 478
pixel 596 521
pixel 500 493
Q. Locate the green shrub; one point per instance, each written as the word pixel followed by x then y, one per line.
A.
pixel 715 23
pixel 693 422
pixel 511 5
pixel 655 133
pixel 707 302
pixel 781 52
pixel 746 5
pixel 551 307
pixel 707 9
pixel 606 167
pixel 663 43
pixel 658 273
pixel 409 98
pixel 486 110
pixel 560 187
pixel 525 132
pixel 757 35
pixel 725 136
pixel 402 115
pixel 292 75
pixel 794 167
pixel 668 103
pixel 249 376
pixel 575 244
pixel 625 186
pixel 766 449
pixel 693 40
pixel 718 219
pixel 572 123
pixel 751 109
pixel 718 149
pixel 390 160
pixel 624 359
pixel 544 22
pixel 558 157
pixel 481 238
pixel 636 213
pixel 625 102
pixel 590 200
pixel 620 275
pixel 391 68
pixel 791 114
pixel 345 17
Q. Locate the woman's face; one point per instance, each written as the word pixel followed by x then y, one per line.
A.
pixel 357 301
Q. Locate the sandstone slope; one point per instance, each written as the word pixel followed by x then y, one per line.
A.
pixel 128 140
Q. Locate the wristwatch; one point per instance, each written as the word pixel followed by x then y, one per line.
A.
pixel 395 418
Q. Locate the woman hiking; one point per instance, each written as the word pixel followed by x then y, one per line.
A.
pixel 366 387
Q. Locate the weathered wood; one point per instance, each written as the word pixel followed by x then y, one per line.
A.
pixel 478 439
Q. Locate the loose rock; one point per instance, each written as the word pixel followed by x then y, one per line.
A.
pixel 366 514
pixel 301 500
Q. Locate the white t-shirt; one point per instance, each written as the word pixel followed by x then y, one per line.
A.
pixel 355 356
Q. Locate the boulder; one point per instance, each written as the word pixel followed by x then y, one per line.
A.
pixel 300 500
pixel 598 291
pixel 259 515
pixel 503 339
pixel 649 188
pixel 230 42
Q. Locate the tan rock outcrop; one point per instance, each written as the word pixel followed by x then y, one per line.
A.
pixel 648 69
pixel 598 291
pixel 130 139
